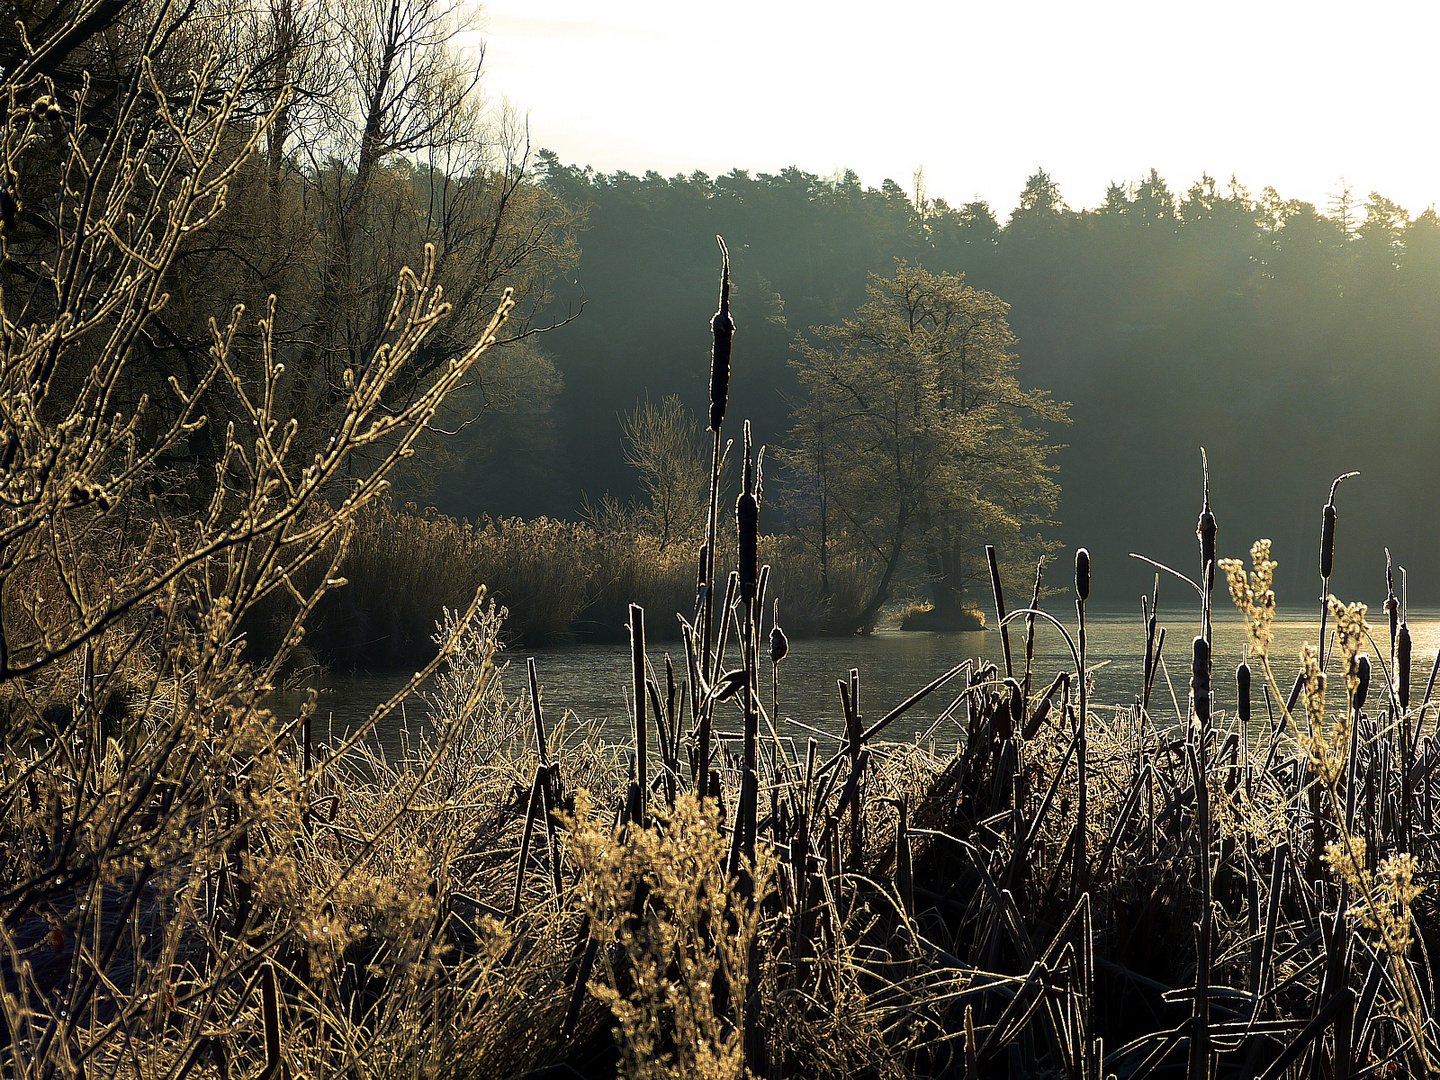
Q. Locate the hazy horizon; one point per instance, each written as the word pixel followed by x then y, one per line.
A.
pixel 1275 94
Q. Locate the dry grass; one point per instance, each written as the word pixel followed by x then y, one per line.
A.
pixel 904 913
pixel 560 581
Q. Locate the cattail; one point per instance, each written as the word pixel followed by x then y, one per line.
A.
pixel 1327 538
pixel 1403 644
pixel 1015 702
pixel 637 671
pixel 1205 529
pixel 747 518
pixel 779 643
pixel 1200 679
pixel 1150 628
pixel 1060 685
pixel 1403 647
pixel 1242 690
pixel 1392 602
pixel 1362 681
pixel 723 327
pixel 1327 529
pixel 1082 575
pixel 1327 556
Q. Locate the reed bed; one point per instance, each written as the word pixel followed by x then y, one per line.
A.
pixel 559 581
pixel 1042 886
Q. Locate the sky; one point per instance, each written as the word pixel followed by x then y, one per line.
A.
pixel 1305 97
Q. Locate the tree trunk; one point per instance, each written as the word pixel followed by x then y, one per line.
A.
pixel 881 595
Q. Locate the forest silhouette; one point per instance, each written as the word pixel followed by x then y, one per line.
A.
pixel 1294 342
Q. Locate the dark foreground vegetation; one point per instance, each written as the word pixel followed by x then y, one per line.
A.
pixel 192 885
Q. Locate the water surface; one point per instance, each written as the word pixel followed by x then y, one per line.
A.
pixel 591 682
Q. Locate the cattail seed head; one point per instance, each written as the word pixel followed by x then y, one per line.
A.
pixel 1403 647
pixel 1200 667
pixel 1242 689
pixel 1205 530
pixel 1327 541
pixel 723 327
pixel 747 518
pixel 1362 681
pixel 1200 680
pixel 1082 574
pixel 1327 529
pixel 779 644
pixel 1016 702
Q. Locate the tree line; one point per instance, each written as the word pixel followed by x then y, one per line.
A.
pixel 1293 342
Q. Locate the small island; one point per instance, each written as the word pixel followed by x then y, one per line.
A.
pixel 965 618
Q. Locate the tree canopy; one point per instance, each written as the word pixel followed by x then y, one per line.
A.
pixel 915 438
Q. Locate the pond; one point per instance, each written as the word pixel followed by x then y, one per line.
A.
pixel 591 682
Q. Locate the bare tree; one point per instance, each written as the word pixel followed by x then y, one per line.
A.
pixel 663 443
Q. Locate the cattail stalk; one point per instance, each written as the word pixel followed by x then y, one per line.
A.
pixel 999 606
pixel 1403 648
pixel 722 327
pixel 1151 612
pixel 1080 871
pixel 1030 635
pixel 533 809
pixel 1357 706
pixel 637 674
pixel 1242 697
pixel 1200 1035
pixel 779 649
pixel 535 712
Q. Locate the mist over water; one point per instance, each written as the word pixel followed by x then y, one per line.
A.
pixel 592 681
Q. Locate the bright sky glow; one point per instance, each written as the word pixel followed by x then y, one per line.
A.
pixel 1276 92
